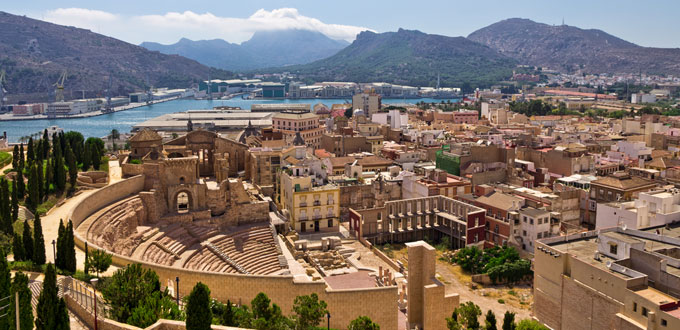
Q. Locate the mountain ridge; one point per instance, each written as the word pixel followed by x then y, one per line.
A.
pixel 409 57
pixel 571 49
pixel 263 49
pixel 34 54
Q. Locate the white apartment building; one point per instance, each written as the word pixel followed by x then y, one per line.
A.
pixel 533 224
pixel 653 208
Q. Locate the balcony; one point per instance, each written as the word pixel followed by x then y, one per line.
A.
pixel 303 204
pixel 302 218
pixel 317 203
pixel 317 217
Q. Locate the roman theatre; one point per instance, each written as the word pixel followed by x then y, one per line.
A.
pixel 182 210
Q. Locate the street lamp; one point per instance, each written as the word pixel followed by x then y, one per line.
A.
pixel 54 251
pixel 328 316
pixel 177 290
pixel 94 283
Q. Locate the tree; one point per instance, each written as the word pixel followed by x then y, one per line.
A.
pixel 61 239
pixel 363 323
pixel 509 321
pixel 72 169
pixel 115 135
pixel 5 207
pixel 468 315
pixel 529 324
pixel 33 198
pixel 98 261
pixel 490 321
pixel 15 202
pixel 227 317
pixel 266 316
pixel 21 157
pixel 46 145
pixel 18 248
pixel 51 310
pixel 128 288
pixel 309 311
pixel 30 154
pixel 58 164
pixel 95 152
pixel 5 285
pixel 20 285
pixel 41 182
pixel 87 159
pixel 199 314
pixel 49 176
pixel 15 157
pixel 69 249
pixel 154 306
pixel 38 242
pixel 27 238
pixel 21 185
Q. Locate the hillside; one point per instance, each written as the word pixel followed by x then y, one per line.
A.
pixel 264 49
pixel 568 48
pixel 34 54
pixel 409 57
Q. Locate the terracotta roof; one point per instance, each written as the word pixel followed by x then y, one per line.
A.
pixel 322 153
pixel 145 134
pixel 623 182
pixel 500 200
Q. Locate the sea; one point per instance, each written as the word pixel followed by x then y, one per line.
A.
pixel 100 126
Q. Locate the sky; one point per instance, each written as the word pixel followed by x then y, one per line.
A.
pixel 651 23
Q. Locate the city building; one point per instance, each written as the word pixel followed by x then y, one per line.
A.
pixel 370 103
pixel 303 123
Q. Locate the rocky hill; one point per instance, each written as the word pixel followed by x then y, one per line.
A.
pixel 34 54
pixel 569 49
pixel 412 58
pixel 264 49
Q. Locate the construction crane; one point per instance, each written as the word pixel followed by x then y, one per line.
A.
pixel 3 83
pixel 59 91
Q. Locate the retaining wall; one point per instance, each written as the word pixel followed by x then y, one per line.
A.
pixel 379 303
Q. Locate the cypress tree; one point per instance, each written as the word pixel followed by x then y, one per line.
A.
pixel 51 308
pixel 27 239
pixel 38 151
pixel 72 169
pixel 18 248
pixel 15 157
pixel 5 285
pixel 30 154
pixel 5 208
pixel 49 176
pixel 96 156
pixel 59 172
pixel 46 145
pixel 15 202
pixel 38 242
pixel 40 183
pixel 70 249
pixel 20 284
pixel 21 156
pixel 59 262
pixel 21 185
pixel 33 198
pixel 87 158
pixel 199 314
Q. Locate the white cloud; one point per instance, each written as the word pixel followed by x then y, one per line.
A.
pixel 171 26
pixel 81 17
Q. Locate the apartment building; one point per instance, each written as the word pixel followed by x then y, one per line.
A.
pixel 369 102
pixel 305 123
pixel 309 207
pixel 611 278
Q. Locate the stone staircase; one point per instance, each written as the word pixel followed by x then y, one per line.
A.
pixel 225 257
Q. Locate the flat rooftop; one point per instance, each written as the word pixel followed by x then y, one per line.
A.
pixel 356 280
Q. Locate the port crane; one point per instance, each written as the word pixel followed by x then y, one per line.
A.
pixel 59 91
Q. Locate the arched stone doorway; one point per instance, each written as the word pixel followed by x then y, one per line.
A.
pixel 183 201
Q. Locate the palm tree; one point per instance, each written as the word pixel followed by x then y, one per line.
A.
pixel 115 135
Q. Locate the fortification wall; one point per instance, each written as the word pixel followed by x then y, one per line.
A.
pixel 380 304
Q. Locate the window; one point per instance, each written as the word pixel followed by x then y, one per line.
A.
pixel 644 311
pixel 531 221
pixel 540 235
pixel 525 219
pixel 664 323
pixel 613 249
pixel 524 232
pixel 330 223
pixel 634 307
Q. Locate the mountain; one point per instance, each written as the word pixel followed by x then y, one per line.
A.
pixel 34 54
pixel 412 58
pixel 264 49
pixel 568 48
